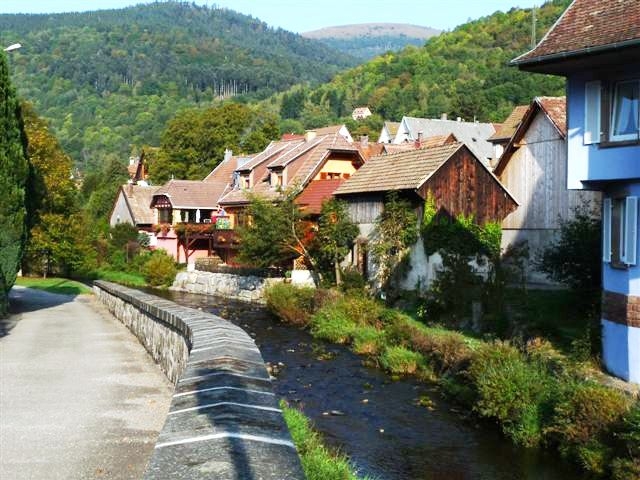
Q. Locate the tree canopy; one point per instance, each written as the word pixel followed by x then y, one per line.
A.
pixel 14 181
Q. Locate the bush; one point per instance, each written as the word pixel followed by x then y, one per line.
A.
pixel 160 270
pixel 361 309
pixel 368 341
pixel 332 323
pixel 352 280
pixel 515 392
pixel 574 259
pixel 294 305
pixel 584 420
pixel 402 361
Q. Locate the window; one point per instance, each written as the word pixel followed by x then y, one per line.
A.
pixel 164 215
pixel 624 116
pixel 620 231
pixel 612 111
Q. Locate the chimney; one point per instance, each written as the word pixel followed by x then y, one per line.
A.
pixel 227 154
pixel 364 141
pixel 309 135
pixel 443 116
pixel 458 119
pixel 418 142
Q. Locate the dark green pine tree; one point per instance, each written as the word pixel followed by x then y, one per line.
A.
pixel 14 176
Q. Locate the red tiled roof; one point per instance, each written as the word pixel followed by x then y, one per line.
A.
pixel 138 198
pixel 588 24
pixel 317 192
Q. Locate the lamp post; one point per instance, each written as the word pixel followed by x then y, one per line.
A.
pixel 13 47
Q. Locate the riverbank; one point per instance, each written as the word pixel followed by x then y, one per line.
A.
pixel 390 428
pixel 538 396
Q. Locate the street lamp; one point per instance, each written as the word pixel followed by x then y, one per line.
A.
pixel 13 47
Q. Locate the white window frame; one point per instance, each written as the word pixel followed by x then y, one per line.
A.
pixel 592 112
pixel 614 105
pixel 628 231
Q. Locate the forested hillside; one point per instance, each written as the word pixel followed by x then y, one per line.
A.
pixel 369 40
pixel 462 73
pixel 109 80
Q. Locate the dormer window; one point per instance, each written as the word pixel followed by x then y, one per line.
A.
pixel 245 182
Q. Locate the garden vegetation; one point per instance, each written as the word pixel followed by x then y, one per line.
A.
pixel 536 395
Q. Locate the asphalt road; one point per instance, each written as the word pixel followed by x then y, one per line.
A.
pixel 79 397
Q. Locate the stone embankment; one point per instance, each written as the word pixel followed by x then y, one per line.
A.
pixel 224 421
pixel 249 288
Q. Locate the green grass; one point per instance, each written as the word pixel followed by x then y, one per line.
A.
pixel 123 278
pixel 318 461
pixel 55 285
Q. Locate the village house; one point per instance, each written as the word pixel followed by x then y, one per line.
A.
pixel 132 201
pixel 451 174
pixel 533 167
pixel 195 219
pixel 388 132
pixel 360 113
pixel 596 45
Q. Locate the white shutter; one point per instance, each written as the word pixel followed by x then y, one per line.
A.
pixel 630 230
pixel 606 230
pixel 592 112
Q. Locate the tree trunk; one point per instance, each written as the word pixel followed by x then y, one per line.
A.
pixel 336 264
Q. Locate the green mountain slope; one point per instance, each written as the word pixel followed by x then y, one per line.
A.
pixel 368 40
pixel 462 73
pixel 110 79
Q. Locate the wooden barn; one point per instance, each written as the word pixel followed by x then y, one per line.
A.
pixel 457 180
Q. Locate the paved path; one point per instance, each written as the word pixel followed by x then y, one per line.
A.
pixel 79 397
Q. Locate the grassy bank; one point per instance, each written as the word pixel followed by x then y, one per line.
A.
pixel 123 278
pixel 536 394
pixel 318 461
pixel 54 285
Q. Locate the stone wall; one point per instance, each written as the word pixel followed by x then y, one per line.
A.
pixel 248 288
pixel 224 421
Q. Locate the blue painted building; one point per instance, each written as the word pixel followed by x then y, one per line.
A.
pixel 596 45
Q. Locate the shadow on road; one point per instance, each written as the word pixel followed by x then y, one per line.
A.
pixel 23 300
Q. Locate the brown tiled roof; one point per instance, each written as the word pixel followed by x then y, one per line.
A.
pixel 588 24
pixel 302 160
pixel 509 126
pixel 138 198
pixel 190 193
pixel 317 192
pixel 222 176
pixel 556 109
pixel 400 171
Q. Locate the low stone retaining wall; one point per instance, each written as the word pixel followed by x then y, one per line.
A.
pixel 248 288
pixel 224 421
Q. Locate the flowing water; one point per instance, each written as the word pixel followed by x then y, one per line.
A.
pixel 396 430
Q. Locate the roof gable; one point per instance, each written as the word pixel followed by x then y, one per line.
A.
pixel 554 110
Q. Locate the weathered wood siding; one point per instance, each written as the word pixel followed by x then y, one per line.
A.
pixel 364 209
pixel 536 175
pixel 464 185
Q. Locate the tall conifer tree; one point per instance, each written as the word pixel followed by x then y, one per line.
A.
pixel 14 175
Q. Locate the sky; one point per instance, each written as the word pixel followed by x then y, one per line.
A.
pixel 305 15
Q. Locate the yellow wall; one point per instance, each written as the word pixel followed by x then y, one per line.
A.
pixel 336 166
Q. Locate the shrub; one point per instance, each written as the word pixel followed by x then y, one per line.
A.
pixel 160 270
pixel 447 351
pixel 361 309
pixel 352 280
pixel 400 360
pixel 368 340
pixel 586 414
pixel 515 392
pixel 333 324
pixel 292 304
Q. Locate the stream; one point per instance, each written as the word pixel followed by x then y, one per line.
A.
pixel 390 429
